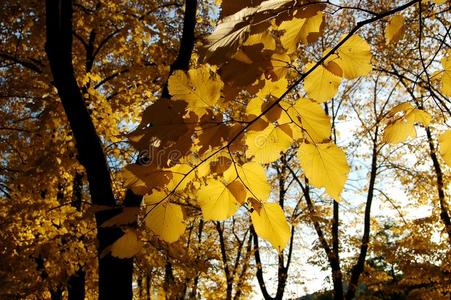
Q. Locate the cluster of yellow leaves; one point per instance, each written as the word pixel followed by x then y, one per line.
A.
pixel 350 61
pixel 224 159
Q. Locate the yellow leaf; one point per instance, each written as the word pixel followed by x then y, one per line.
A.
pixel 216 201
pixel 299 30
pixel 127 245
pixel 292 35
pixel 394 29
pixel 311 29
pixel 127 216
pixel 321 84
pixel 238 191
pixel 200 88
pixel 163 218
pixel 264 38
pixel 270 224
pixel 445 146
pixel 354 57
pixel 401 125
pixel 253 177
pixel 310 116
pixel 325 166
pixel 275 88
pixel 446 77
pixel 267 144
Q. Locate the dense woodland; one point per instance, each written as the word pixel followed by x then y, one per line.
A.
pixel 221 149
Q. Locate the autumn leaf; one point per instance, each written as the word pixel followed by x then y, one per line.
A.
pixel 292 35
pixel 270 135
pixel 312 28
pixel 445 146
pixel 270 224
pixel 354 57
pixel 325 166
pixel 217 202
pixel 310 116
pixel 200 88
pixel 163 218
pixel 401 123
pixel 267 145
pixel 252 175
pixel 395 29
pixel 127 245
pixel 446 76
pixel 233 30
pixel 321 84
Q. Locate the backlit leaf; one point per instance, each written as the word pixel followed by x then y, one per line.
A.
pixel 200 88
pixel 446 76
pixel 216 201
pixel 163 218
pixel 401 123
pixel 325 166
pixel 321 84
pixel 270 224
pixel 354 57
pixel 266 145
pixel 445 146
pixel 310 116
pixel 394 29
pixel 127 245
pixel 253 177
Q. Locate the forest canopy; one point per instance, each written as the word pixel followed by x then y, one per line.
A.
pixel 220 149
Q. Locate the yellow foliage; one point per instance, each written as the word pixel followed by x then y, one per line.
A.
pixel 217 202
pixel 354 57
pixel 321 84
pixel 310 116
pixel 446 76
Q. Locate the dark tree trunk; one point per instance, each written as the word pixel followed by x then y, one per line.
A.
pixel 56 294
pixel 76 285
pixel 76 282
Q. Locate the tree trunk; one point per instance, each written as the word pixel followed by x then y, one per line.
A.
pixel 76 282
pixel 360 264
pixel 76 285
